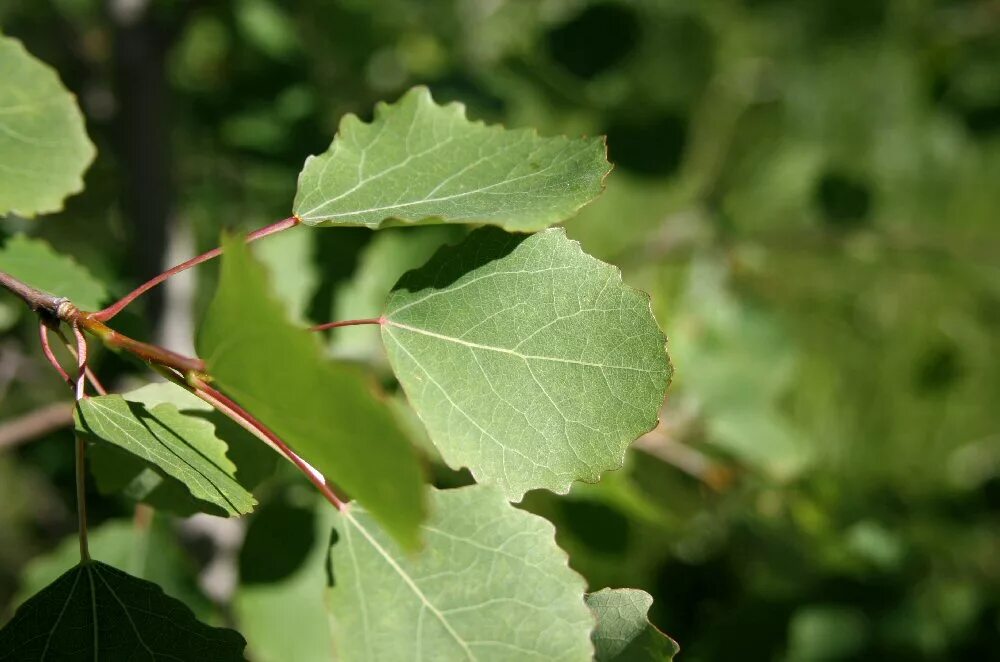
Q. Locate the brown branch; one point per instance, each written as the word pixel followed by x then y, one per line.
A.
pixel 36 424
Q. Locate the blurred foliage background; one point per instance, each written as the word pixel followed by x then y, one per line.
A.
pixel 809 191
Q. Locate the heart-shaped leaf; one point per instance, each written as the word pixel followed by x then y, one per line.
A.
pixel 96 612
pixel 419 162
pixel 37 264
pixel 529 361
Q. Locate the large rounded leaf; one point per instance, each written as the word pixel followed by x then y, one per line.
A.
pixel 529 361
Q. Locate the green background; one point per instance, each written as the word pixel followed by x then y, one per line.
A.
pixel 808 190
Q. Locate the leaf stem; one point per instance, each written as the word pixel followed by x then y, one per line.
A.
pixel 334 325
pixel 43 332
pixel 81 497
pixel 115 308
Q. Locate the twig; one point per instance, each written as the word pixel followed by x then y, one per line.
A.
pixel 118 306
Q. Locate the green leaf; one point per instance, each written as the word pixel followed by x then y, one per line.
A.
pixel 419 162
pixel 288 257
pixel 96 612
pixel 326 411
pixel 530 362
pixel 34 262
pixel 390 254
pixel 623 632
pixel 183 447
pixel 491 584
pixel 148 552
pixel 44 149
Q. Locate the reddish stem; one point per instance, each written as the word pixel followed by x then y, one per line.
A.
pixel 43 332
pixel 91 377
pixel 334 325
pixel 118 306
pixel 81 362
pixel 244 418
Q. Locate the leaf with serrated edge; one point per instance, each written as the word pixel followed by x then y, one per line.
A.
pixel 623 632
pixel 325 410
pixel 37 264
pixel 491 584
pixel 183 446
pixel 96 612
pixel 419 162
pixel 529 361
pixel 44 149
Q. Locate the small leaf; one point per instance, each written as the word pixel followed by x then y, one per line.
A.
pixel 44 149
pixel 183 447
pixel 491 584
pixel 326 411
pixel 96 612
pixel 34 262
pixel 623 632
pixel 528 360
pixel 419 162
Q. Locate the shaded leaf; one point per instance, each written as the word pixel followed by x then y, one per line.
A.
pixel 96 612
pixel 529 362
pixel 491 584
pixel 419 162
pixel 44 149
pixel 34 262
pixel 183 447
pixel 623 632
pixel 326 411
pixel 147 552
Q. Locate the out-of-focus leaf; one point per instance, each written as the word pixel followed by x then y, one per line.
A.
pixel 181 446
pixel 491 584
pixel 324 410
pixel 44 149
pixel 419 162
pixel 529 361
pixel 34 262
pixel 623 632
pixel 289 258
pixel 96 612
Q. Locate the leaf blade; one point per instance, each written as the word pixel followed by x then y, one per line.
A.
pixel 529 362
pixel 491 583
pixel 95 611
pixel 36 263
pixel 44 148
pixel 623 632
pixel 419 162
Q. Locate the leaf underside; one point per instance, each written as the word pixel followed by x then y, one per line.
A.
pixel 419 162
pixel 490 584
pixel 623 632
pixel 96 612
pixel 44 149
pixel 180 446
pixel 528 361
pixel 325 410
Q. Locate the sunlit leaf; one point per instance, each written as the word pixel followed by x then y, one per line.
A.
pixel 491 584
pixel 326 411
pixel 34 262
pixel 96 612
pixel 530 362
pixel 183 447
pixel 623 632
pixel 44 149
pixel 419 162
